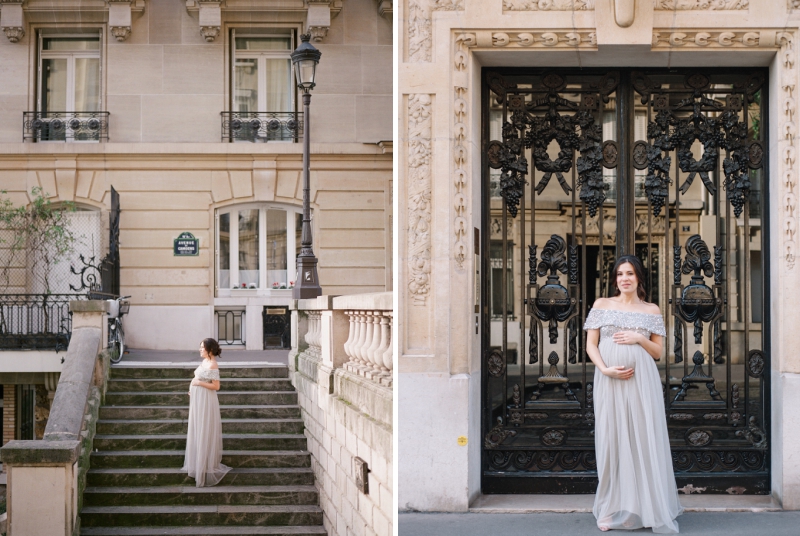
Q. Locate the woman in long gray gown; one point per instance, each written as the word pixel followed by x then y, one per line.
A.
pixel 204 439
pixel 634 465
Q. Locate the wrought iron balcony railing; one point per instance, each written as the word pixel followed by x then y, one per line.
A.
pixel 262 126
pixel 36 321
pixel 65 126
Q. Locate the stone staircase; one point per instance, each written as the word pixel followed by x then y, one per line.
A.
pixel 134 485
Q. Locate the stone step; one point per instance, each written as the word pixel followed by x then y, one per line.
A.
pixel 130 370
pixel 231 411
pixel 203 531
pixel 137 516
pixel 178 442
pixel 174 458
pixel 182 398
pixel 181 426
pixel 127 477
pixel 177 385
pixel 194 496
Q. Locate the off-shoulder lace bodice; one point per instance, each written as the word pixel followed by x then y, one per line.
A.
pixel 206 374
pixel 610 321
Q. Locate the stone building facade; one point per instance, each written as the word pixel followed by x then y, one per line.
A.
pixel 478 82
pixel 189 112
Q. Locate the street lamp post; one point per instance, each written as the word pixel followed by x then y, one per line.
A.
pixel 305 59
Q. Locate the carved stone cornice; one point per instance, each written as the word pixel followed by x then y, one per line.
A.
pixel 548 5
pixel 554 38
pixel 701 5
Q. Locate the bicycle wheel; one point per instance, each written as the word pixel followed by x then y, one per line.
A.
pixel 120 338
pixel 116 345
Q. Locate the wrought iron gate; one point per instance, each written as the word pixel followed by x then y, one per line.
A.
pixel 581 167
pixel 108 269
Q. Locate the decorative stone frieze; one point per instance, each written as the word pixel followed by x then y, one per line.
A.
pixel 685 5
pixel 460 153
pixel 665 38
pixel 548 5
pixel 419 25
pixel 12 19
pixel 787 142
pixel 419 196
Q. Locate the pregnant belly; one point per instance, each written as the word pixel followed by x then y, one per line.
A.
pixel 626 355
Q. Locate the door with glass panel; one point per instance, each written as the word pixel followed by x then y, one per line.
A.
pixel 262 107
pixel 579 168
pixel 69 97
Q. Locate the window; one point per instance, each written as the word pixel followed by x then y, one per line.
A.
pixel 263 92
pixel 69 88
pixel 256 248
pixel 496 264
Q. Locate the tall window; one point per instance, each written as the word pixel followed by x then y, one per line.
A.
pixel 263 89
pixel 256 247
pixel 69 82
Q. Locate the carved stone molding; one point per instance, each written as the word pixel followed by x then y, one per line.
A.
pixel 385 8
pixel 12 20
pixel 787 147
pixel 419 196
pixel 419 25
pixel 536 39
pixel 460 154
pixel 318 19
pixel 665 38
pixel 548 5
pixel 120 33
pixel 209 33
pixel 794 4
pixel 119 19
pixel 686 5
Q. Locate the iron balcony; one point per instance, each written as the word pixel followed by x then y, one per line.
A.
pixel 65 126
pixel 262 126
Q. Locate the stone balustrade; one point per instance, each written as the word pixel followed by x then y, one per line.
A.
pixel 313 335
pixel 369 345
pixel 341 363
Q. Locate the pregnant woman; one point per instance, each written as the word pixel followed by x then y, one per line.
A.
pixel 204 440
pixel 634 465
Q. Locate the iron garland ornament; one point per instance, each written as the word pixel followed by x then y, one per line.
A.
pixel 578 132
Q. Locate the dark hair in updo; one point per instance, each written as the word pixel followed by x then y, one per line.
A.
pixel 212 347
pixel 638 269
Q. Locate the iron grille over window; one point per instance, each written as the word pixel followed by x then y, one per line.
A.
pixel 262 126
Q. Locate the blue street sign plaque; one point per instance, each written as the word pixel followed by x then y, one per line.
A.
pixel 186 245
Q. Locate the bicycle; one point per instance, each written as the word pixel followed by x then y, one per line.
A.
pixel 116 335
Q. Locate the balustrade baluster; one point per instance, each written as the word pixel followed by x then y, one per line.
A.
pixel 350 337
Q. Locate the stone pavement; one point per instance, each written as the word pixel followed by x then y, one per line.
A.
pixel 578 524
pixel 229 356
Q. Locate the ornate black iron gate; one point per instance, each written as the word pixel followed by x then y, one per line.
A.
pixel 581 167
pixel 108 269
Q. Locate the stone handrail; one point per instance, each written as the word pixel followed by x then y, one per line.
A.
pixel 46 477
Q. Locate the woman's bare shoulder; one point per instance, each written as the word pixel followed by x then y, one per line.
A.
pixel 652 308
pixel 213 365
pixel 603 303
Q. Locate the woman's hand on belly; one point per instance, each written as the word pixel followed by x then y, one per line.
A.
pixel 618 372
pixel 628 337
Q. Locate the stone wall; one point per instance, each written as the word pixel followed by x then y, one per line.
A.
pixel 347 412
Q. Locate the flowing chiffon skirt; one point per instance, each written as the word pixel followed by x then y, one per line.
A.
pixel 204 439
pixel 634 464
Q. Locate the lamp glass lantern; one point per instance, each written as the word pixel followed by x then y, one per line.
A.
pixel 305 59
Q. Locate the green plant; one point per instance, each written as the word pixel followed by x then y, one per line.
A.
pixel 39 232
